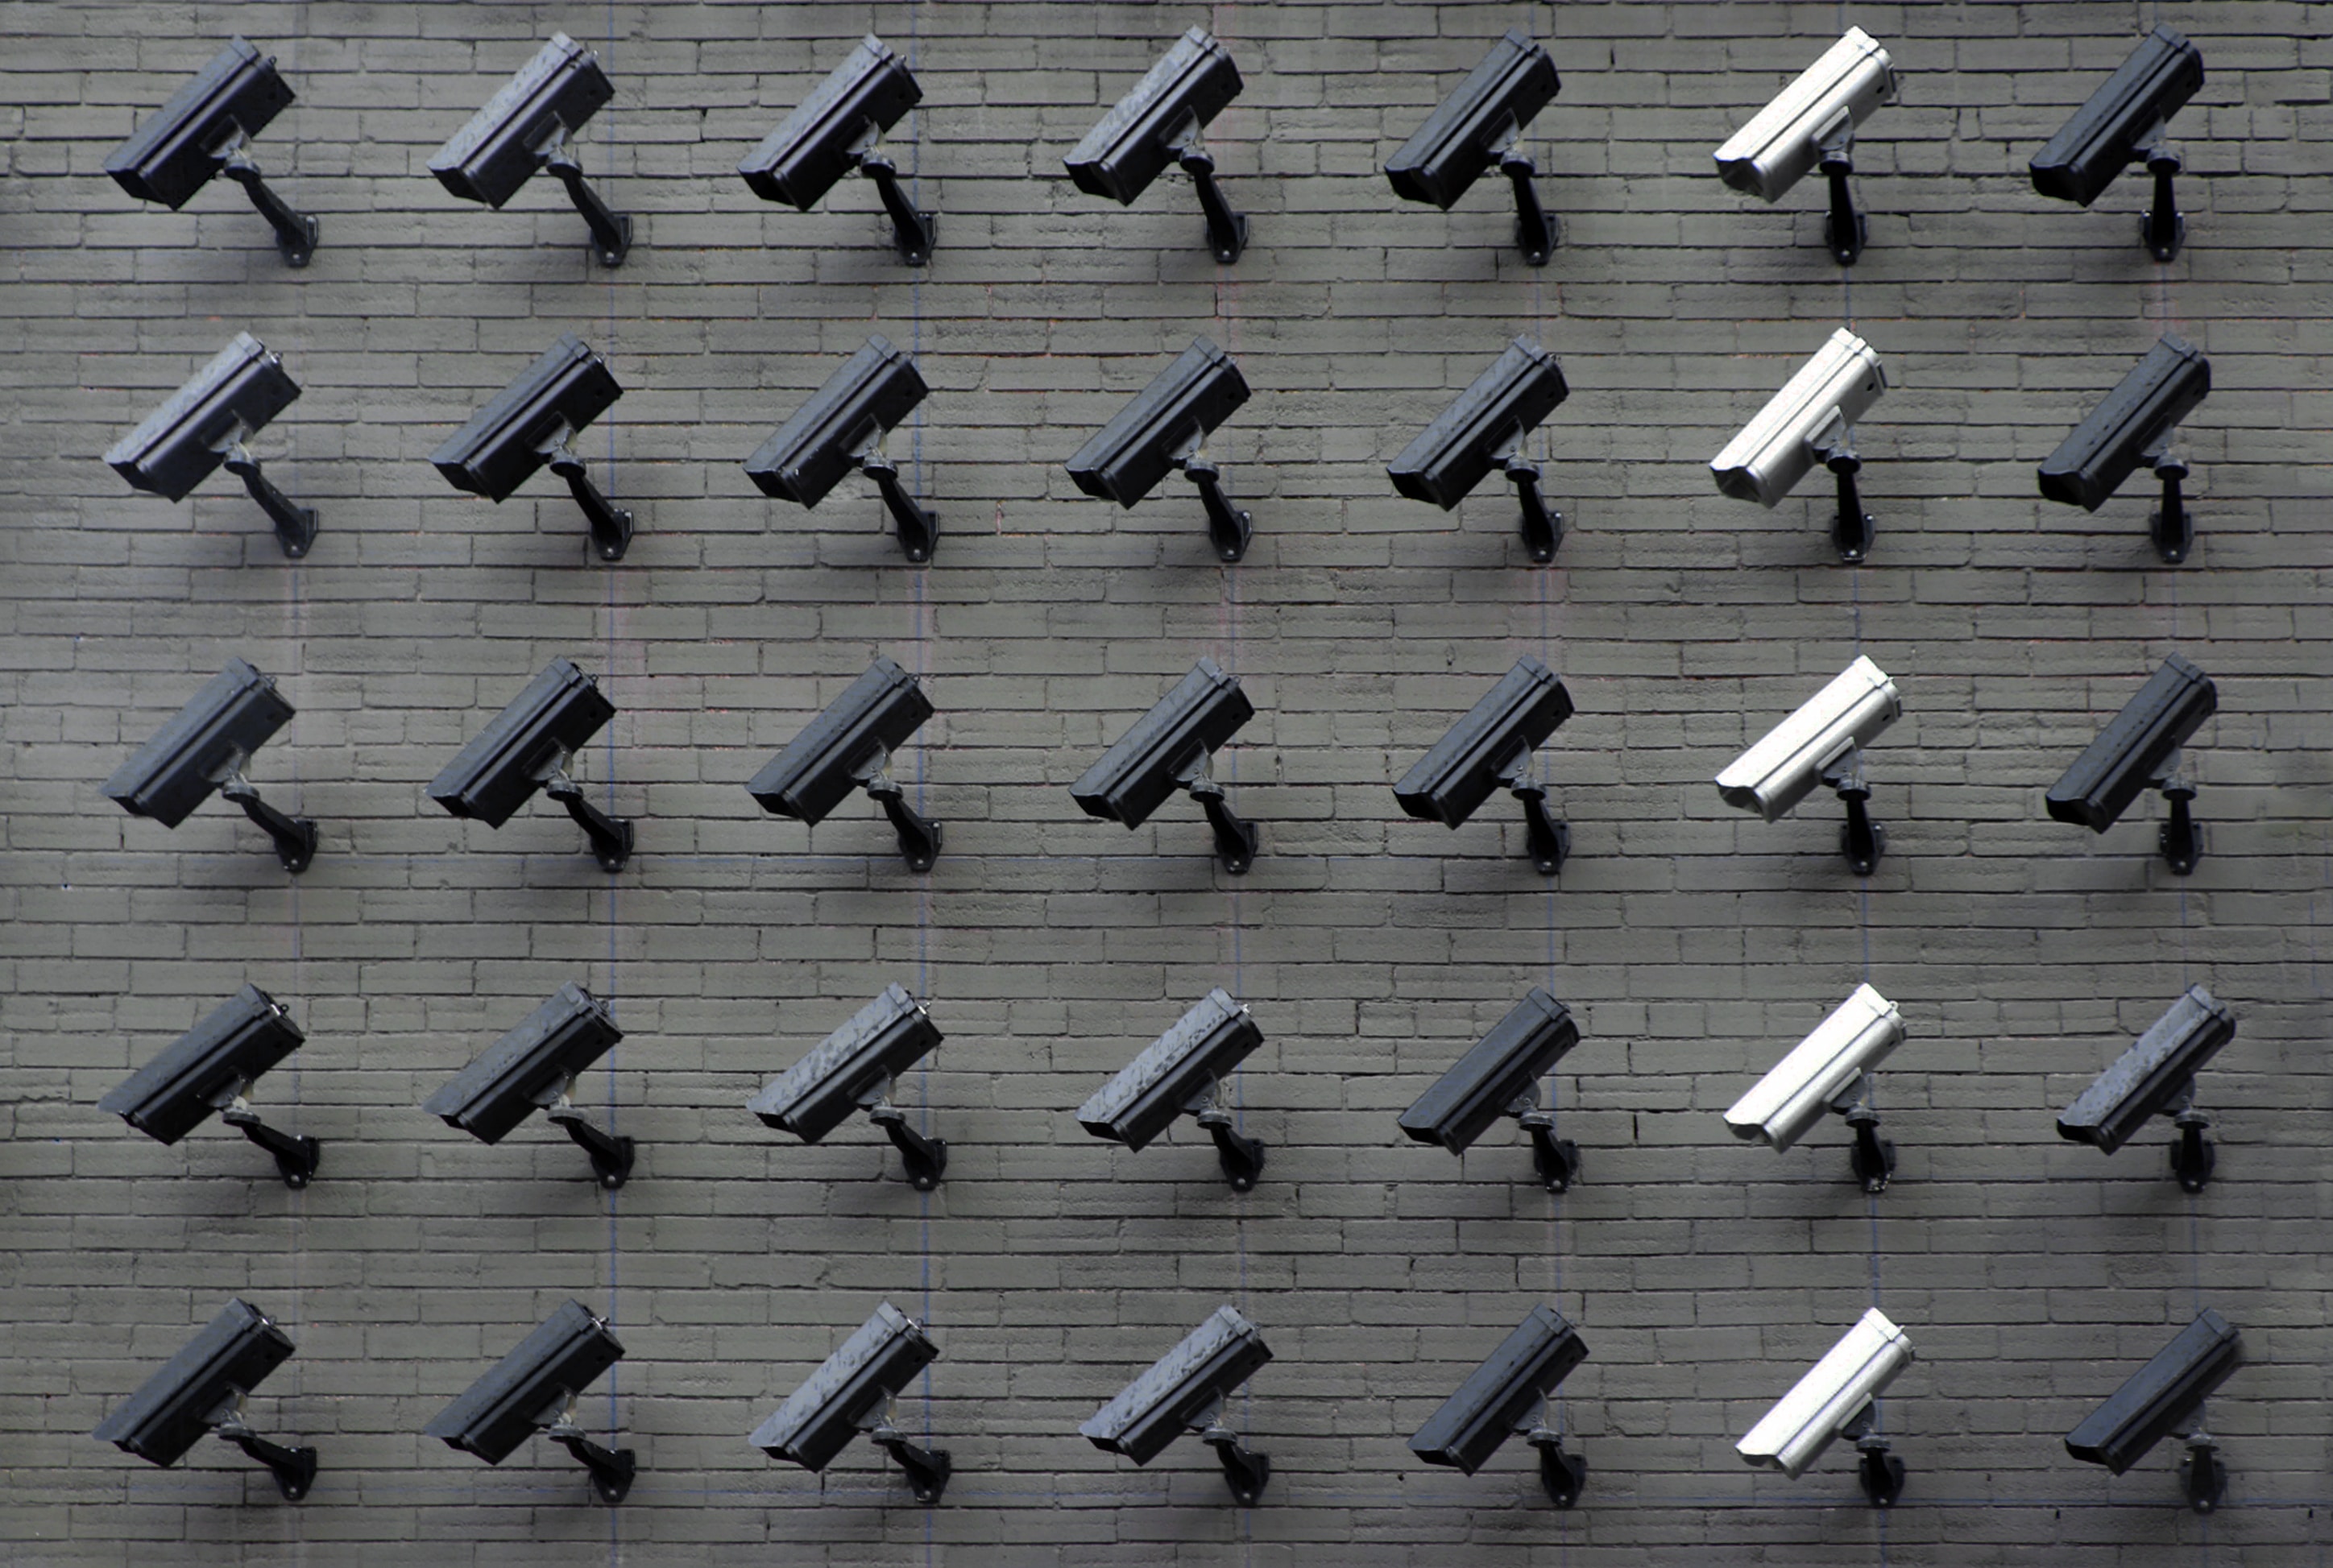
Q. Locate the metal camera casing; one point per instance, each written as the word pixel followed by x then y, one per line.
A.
pixel 1850 1375
pixel 500 447
pixel 880 1041
pixel 1506 402
pixel 183 442
pixel 494 154
pixel 817 144
pixel 181 766
pixel 502 764
pixel 1460 140
pixel 1503 1393
pixel 1783 141
pixel 172 1412
pixel 1774 451
pixel 819 769
pixel 819 1419
pixel 2166 384
pixel 1130 454
pixel 1791 1098
pixel 558 1359
pixel 175 153
pixel 1784 767
pixel 1135 777
pixel 235 1042
pixel 2107 132
pixel 1158 1085
pixel 1460 770
pixel 2161 1397
pixel 504 1085
pixel 809 453
pixel 1133 142
pixel 1495 1072
pixel 2131 752
pixel 2145 1080
pixel 1182 1386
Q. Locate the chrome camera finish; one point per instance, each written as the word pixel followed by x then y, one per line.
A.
pixel 1822 742
pixel 1166 426
pixel 836 130
pixel 1491 748
pixel 2165 1396
pixel 1834 1401
pixel 1811 122
pixel 203 131
pixel 1186 1391
pixel 531 1068
pixel 2157 1077
pixel 2139 751
pixel 1182 1071
pixel 204 424
pixel 842 427
pixel 1159 123
pixel 207 1069
pixel 524 127
pixel 1829 1070
pixel 535 1387
pixel 203 749
pixel 2122 123
pixel 1480 127
pixel 1812 420
pixel 531 423
pixel 1485 429
pixel 851 1392
pixel 1167 751
pixel 526 747
pixel 1499 1076
pixel 2135 425
pixel 1504 1397
pixel 847 747
pixel 853 1068
pixel 202 1388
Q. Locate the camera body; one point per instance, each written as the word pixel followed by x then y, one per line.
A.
pixel 2111 126
pixel 518 1074
pixel 1828 394
pixel 2136 745
pixel 1134 141
pixel 1131 454
pixel 183 442
pixel 818 1093
pixel 1785 140
pixel 1180 1389
pixel 1137 775
pixel 819 769
pixel 490 157
pixel 175 153
pixel 1462 770
pixel 1499 1069
pixel 186 761
pixel 2162 388
pixel 1785 1105
pixel 2162 1397
pixel 1180 1067
pixel 558 1359
pixel 505 763
pixel 503 445
pixel 820 142
pixel 875 389
pixel 2151 1077
pixel 1784 767
pixel 819 1419
pixel 174 1409
pixel 1501 1395
pixel 1827 1401
pixel 1490 418
pixel 236 1041
pixel 1461 140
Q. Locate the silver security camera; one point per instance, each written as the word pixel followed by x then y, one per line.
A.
pixel 1186 1389
pixel 1168 750
pixel 1834 1401
pixel 1812 123
pixel 1491 748
pixel 527 747
pixel 1822 743
pixel 524 127
pixel 2139 750
pixel 1480 127
pixel 2135 425
pixel 1485 429
pixel 536 1387
pixel 842 427
pixel 532 422
pixel 531 1068
pixel 1166 426
pixel 1506 1397
pixel 203 131
pixel 1182 1071
pixel 834 132
pixel 853 1068
pixel 848 746
pixel 851 1392
pixel 207 1069
pixel 2157 1077
pixel 204 749
pixel 202 1390
pixel 2122 123
pixel 2165 1396
pixel 204 424
pixel 1159 123
pixel 1829 1070
pixel 1499 1076
pixel 1812 420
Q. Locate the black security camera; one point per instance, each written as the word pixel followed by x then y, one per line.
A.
pixel 851 1392
pixel 2132 426
pixel 842 427
pixel 1499 1076
pixel 202 131
pixel 202 1388
pixel 1506 1397
pixel 836 130
pixel 1186 1389
pixel 2162 1397
pixel 2157 1077
pixel 207 1069
pixel 1180 1074
pixel 2139 751
pixel 529 423
pixel 1160 122
pixel 204 424
pixel 854 1069
pixel 526 747
pixel 526 127
pixel 531 1068
pixel 536 1387
pixel 203 749
pixel 1166 426
pixel 2122 123
pixel 847 747
pixel 1485 429
pixel 1480 127
pixel 1169 748
pixel 1491 749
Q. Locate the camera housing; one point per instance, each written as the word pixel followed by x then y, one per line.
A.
pixel 2139 750
pixel 526 747
pixel 202 749
pixel 1812 420
pixel 1829 1070
pixel 1480 127
pixel 842 427
pixel 851 1392
pixel 1834 1401
pixel 1167 749
pixel 1811 122
pixel 204 424
pixel 2163 1397
pixel 2121 123
pixel 848 746
pixel 524 127
pixel 203 130
pixel 533 422
pixel 1492 748
pixel 1504 1397
pixel 535 1387
pixel 202 1388
pixel 1485 429
pixel 2157 1077
pixel 1181 1072
pixel 2135 425
pixel 1184 1390
pixel 207 1069
pixel 1821 743
pixel 531 1068
pixel 1499 1076
pixel 1166 426
pixel 854 1067
pixel 1159 123
pixel 835 130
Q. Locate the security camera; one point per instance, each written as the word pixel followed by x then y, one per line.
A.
pixel 1822 743
pixel 204 424
pixel 2157 1077
pixel 1479 127
pixel 536 1386
pixel 203 131
pixel 204 749
pixel 1829 1070
pixel 2122 123
pixel 1485 429
pixel 1812 123
pixel 1504 1397
pixel 1499 1076
pixel 836 130
pixel 1490 749
pixel 842 427
pixel 1159 122
pixel 202 1388
pixel 854 1067
pixel 1834 1401
pixel 851 1392
pixel 2165 1396
pixel 207 1069
pixel 1166 426
pixel 848 746
pixel 1811 419
pixel 2139 751
pixel 1167 749
pixel 1186 1391
pixel 2132 426
pixel 1182 1071
pixel 531 1068
pixel 523 128
pixel 526 747
pixel 532 422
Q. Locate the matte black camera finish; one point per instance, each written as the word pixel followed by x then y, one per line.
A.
pixel 2161 1397
pixel 847 747
pixel 2139 750
pixel 1159 123
pixel 529 423
pixel 201 132
pixel 1186 1389
pixel 854 1067
pixel 835 131
pixel 1178 1075
pixel 2157 1077
pixel 204 422
pixel 1167 751
pixel 207 1069
pixel 1165 427
pixel 525 748
pixel 1485 429
pixel 2123 122
pixel 842 427
pixel 199 1391
pixel 2132 426
pixel 1480 127
pixel 203 749
pixel 1503 1396
pixel 517 1075
pixel 523 128
pixel 535 1387
pixel 846 1395
pixel 1491 749
pixel 1499 1076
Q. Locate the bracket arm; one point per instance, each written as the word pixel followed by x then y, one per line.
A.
pixel 1537 231
pixel 1229 528
pixel 1550 840
pixel 296 1154
pixel 296 526
pixel 913 233
pixel 294 836
pixel 294 1470
pixel 612 525
pixel 295 231
pixel 1561 1474
pixel 611 232
pixel 1245 1471
pixel 2161 228
pixel 928 1469
pixel 2179 839
pixel 1862 840
pixel 612 1469
pixel 611 1155
pixel 918 527
pixel 1542 527
pixel 926 1157
pixel 1226 230
pixel 1844 230
pixel 1557 1159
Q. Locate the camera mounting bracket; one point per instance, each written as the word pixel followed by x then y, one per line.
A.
pixel 1880 1472
pixel 295 231
pixel 1557 1159
pixel 2170 527
pixel 2193 1155
pixel 611 232
pixel 927 1468
pixel 2179 839
pixel 1245 1471
pixel 1852 531
pixel 1537 231
pixel 1241 1158
pixel 913 233
pixel 294 1470
pixel 612 1469
pixel 1873 1158
pixel 2160 227
pixel 1542 527
pixel 918 527
pixel 612 525
pixel 294 836
pixel 1226 230
pixel 1561 1474
pixel 2202 1476
pixel 1844 230
pixel 926 1157
pixel 611 836
pixel 919 835
pixel 296 526
pixel 1862 840
pixel 1229 528
pixel 1550 840
pixel 611 1155
pixel 1236 841
pixel 295 1154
